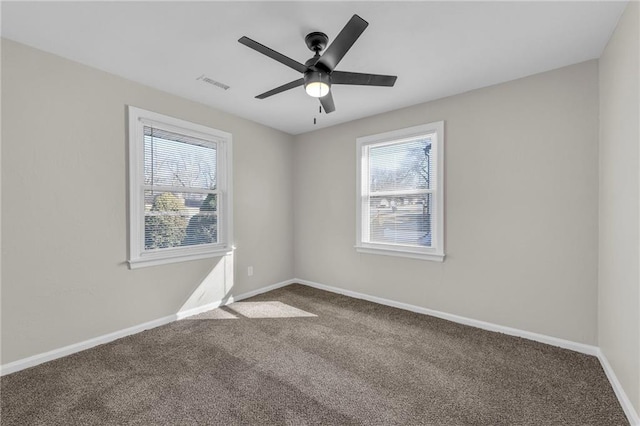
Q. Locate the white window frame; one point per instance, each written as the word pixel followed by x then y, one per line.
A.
pixel 138 256
pixel 436 251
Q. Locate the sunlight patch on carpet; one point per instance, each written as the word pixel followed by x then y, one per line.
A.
pixel 272 309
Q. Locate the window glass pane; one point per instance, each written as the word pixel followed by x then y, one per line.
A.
pixel 401 166
pixel 402 220
pixel 172 159
pixel 177 219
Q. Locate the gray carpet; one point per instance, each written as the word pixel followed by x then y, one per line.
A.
pixel 309 357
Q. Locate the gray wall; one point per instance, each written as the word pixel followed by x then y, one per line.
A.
pixel 521 212
pixel 64 215
pixel 521 207
pixel 619 258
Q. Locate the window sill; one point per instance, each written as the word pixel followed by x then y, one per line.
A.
pixel 164 258
pixel 386 251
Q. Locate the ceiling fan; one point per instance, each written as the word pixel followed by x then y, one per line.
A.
pixel 319 72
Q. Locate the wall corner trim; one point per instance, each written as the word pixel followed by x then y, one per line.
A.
pixel 624 400
pixel 34 360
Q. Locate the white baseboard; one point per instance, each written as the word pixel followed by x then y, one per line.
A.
pixel 554 341
pixel 34 360
pixel 625 402
pixel 628 408
pixel 264 290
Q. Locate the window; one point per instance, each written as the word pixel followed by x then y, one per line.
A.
pixel 400 209
pixel 179 190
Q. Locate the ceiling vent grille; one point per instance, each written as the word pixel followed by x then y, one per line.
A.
pixel 213 82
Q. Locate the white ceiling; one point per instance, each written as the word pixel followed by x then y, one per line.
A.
pixel 436 49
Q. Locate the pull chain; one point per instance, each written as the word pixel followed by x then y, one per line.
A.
pixel 320 111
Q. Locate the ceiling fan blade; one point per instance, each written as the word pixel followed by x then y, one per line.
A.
pixel 291 85
pixel 327 103
pixel 342 43
pixel 356 78
pixel 273 54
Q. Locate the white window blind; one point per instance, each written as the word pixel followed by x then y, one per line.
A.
pixel 179 190
pixel 400 193
pixel 180 195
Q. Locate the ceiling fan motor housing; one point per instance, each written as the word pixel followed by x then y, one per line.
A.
pixel 316 76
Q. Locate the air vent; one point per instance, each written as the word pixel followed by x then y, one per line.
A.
pixel 213 82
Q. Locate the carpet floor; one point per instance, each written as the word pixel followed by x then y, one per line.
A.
pixel 302 356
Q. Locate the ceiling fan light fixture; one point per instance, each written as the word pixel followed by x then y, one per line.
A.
pixel 317 89
pixel 317 84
